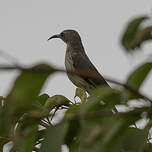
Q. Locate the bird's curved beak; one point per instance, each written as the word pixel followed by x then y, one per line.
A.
pixel 54 36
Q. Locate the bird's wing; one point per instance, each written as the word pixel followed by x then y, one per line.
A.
pixel 82 63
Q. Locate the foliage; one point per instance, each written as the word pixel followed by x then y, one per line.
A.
pixel 135 34
pixel 91 125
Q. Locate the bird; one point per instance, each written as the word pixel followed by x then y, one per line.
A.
pixel 76 60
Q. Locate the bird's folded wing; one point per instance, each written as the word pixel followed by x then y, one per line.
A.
pixel 82 63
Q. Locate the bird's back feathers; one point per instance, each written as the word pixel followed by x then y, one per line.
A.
pixel 77 61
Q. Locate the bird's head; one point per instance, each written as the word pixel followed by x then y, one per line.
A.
pixel 70 37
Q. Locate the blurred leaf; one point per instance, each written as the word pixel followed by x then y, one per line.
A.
pixel 27 87
pixel 132 140
pixel 72 110
pixel 141 36
pixel 108 95
pixel 56 101
pixel 103 133
pixel 135 35
pixel 81 94
pixel 148 147
pixel 103 98
pixel 42 98
pixel 40 134
pixel 73 126
pixel 26 134
pixel 74 147
pixel 1 102
pixel 137 77
pixel 99 132
pixel 23 94
pixel 54 138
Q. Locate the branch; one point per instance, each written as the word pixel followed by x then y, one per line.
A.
pixel 133 90
pixel 95 114
pixel 44 124
pixel 9 57
pixel 81 73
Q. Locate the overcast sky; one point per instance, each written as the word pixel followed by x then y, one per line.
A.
pixel 26 25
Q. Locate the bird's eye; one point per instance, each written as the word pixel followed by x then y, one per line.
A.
pixel 62 34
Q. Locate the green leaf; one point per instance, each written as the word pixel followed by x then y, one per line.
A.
pixel 141 36
pixel 23 95
pixel 73 126
pixel 102 135
pixel 134 35
pixel 23 141
pixel 132 140
pixel 27 87
pixel 56 101
pixel 103 98
pixel 40 134
pixel 42 98
pixel 148 147
pixel 74 147
pixel 54 138
pixel 98 132
pixel 137 78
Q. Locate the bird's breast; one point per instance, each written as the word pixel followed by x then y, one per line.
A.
pixel 77 80
pixel 68 61
pixel 69 67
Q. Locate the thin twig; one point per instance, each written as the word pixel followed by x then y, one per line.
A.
pixel 54 113
pixel 49 121
pixel 38 142
pixel 127 87
pixel 135 125
pixel 44 124
pixel 62 107
pixel 36 149
pixel 45 120
pixel 9 57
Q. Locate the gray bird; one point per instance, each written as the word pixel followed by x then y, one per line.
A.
pixel 77 61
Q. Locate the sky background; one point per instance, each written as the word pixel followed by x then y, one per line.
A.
pixel 25 26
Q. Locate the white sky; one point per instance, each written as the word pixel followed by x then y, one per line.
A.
pixel 26 25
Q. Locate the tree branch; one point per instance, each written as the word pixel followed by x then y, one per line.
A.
pixel 81 73
pixel 96 114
